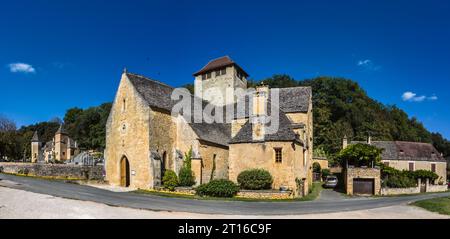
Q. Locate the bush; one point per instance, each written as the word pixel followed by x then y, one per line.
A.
pixel 326 172
pixel 218 188
pixel 1 169
pixel 186 177
pixel 255 179
pixel 399 181
pixel 170 180
pixel 424 174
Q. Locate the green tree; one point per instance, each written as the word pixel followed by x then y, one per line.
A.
pixel 360 155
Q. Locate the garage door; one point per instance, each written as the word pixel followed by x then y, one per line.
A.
pixel 363 186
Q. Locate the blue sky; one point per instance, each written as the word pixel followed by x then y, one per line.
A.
pixel 73 52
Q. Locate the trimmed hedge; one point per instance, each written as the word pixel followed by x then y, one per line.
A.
pixel 170 180
pixel 255 179
pixel 218 188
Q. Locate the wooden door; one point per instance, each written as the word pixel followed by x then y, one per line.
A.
pixel 124 172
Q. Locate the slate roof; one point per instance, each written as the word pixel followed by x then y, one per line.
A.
pixel 158 94
pixel 218 64
pixel 61 130
pixel 408 151
pixel 295 99
pixel 285 131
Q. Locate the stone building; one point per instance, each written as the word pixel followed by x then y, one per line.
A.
pixel 144 138
pixel 61 148
pixel 410 156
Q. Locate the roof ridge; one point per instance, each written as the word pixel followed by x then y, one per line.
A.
pixel 150 79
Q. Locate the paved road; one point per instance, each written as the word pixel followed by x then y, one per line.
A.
pixel 155 203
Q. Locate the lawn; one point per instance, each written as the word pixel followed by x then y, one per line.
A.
pixel 439 205
pixel 315 192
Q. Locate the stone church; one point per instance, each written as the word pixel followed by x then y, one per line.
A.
pixel 144 137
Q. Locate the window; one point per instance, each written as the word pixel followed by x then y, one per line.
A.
pixel 124 105
pixel 433 167
pixel 411 166
pixel 386 164
pixel 203 77
pixel 278 155
pixel 224 71
pixel 64 153
pixel 218 73
pixel 209 75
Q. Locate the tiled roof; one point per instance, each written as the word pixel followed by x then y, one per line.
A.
pixel 217 64
pixel 409 151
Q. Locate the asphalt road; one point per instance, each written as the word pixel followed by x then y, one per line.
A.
pixel 155 203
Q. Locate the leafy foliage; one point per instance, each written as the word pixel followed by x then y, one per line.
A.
pixel 170 180
pixel 255 179
pixel 360 155
pixel 325 173
pixel 218 188
pixel 424 174
pixel 186 175
pixel 342 107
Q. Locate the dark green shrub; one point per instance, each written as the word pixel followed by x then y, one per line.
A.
pixel 424 174
pixel 170 180
pixel 218 188
pixel 186 177
pixel 399 181
pixel 255 179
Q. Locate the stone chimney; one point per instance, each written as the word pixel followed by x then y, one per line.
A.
pixel 344 142
pixel 259 112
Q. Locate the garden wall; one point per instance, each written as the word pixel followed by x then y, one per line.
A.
pixel 55 170
pixel 265 194
pixel 398 191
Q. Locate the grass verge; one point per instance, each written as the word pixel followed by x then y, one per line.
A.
pixel 439 205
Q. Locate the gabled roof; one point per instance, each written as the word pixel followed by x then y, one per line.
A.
pixel 158 95
pixel 219 63
pixel 409 151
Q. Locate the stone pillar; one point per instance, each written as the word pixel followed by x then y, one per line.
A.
pixel 197 169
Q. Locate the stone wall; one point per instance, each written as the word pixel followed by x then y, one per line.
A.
pixel 399 191
pixel 262 155
pixel 55 170
pixel 270 194
pixel 363 173
pixel 436 188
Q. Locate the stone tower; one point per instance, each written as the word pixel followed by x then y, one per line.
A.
pixel 61 141
pixel 219 81
pixel 35 148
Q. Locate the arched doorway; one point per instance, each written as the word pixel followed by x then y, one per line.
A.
pixel 124 172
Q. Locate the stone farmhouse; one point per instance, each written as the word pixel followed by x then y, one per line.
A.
pixel 410 156
pixel 144 138
pixel 61 148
